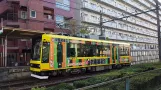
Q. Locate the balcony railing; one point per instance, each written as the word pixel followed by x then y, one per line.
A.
pixel 12 17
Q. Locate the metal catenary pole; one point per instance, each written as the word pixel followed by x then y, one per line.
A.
pixel 158 28
pixel 101 24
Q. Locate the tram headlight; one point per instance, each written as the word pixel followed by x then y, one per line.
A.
pixel 38 65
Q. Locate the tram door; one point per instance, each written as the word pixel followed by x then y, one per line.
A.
pixel 59 54
pixel 115 54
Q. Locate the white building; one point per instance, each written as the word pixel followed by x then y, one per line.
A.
pixel 140 31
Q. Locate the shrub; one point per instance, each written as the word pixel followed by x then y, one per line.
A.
pixel 37 88
pixel 81 83
pixel 97 79
pixel 144 81
pixel 62 86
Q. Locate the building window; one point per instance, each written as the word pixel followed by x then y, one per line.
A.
pixel 48 13
pixel 93 6
pixel 63 4
pixel 23 14
pixel 33 14
pixel 60 21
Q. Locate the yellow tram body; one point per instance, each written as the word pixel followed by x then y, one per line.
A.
pixel 57 52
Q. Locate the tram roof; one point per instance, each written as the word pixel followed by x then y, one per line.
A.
pixel 87 39
pixel 11 32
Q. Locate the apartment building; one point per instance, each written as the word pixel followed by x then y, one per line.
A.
pixel 140 30
pixel 40 15
pixel 36 14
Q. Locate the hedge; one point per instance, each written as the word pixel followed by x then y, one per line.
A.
pixel 147 81
pixel 112 75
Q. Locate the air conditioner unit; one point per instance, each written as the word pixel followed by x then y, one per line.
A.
pixel 49 17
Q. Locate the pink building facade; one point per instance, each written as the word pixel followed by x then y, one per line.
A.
pixel 40 15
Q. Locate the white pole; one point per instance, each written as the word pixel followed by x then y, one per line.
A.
pixel 1 31
pixel 6 51
pixel 2 52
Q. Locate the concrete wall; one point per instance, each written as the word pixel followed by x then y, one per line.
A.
pixel 15 73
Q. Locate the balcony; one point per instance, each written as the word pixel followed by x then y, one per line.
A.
pixel 111 34
pixel 144 2
pixel 86 19
pixel 111 2
pixel 12 20
pixel 86 5
pixel 12 17
pixel 152 1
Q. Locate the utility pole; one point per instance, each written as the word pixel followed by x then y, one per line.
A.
pixel 101 23
pixel 158 28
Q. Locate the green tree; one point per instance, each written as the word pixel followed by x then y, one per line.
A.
pixel 84 31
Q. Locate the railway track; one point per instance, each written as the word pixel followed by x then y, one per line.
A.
pixel 32 82
pixel 6 85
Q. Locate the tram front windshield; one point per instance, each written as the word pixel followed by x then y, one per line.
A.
pixel 36 49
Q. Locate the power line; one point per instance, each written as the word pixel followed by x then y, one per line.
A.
pixel 101 23
pixel 130 15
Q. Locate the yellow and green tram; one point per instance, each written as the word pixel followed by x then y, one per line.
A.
pixel 55 54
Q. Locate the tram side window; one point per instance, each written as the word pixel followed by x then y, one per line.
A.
pixel 103 50
pixel 88 50
pixel 124 51
pixel 45 52
pixel 85 50
pixel 80 50
pixel 106 50
pixel 71 50
pixel 121 50
pixel 98 50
